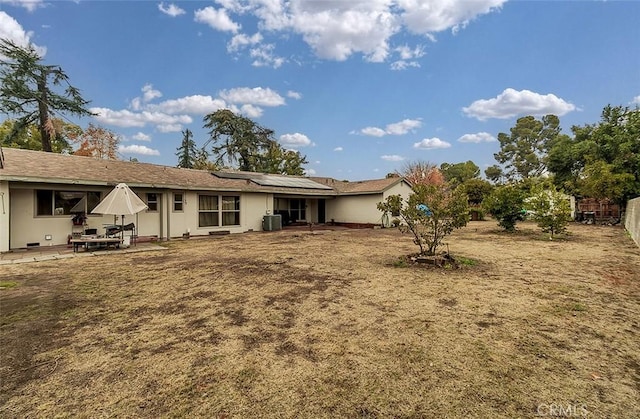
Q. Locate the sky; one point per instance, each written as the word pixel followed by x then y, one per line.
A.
pixel 361 87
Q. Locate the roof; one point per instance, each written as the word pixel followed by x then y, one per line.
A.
pixel 344 187
pixel 40 167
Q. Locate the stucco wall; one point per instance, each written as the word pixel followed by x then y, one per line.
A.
pixel 23 227
pixel 362 208
pixel 27 228
pixel 252 208
pixel 632 219
pixel 355 209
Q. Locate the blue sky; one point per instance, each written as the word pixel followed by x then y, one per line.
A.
pixel 358 86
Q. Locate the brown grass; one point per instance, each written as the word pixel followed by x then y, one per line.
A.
pixel 328 324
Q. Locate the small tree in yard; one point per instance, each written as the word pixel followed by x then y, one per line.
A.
pixel 505 205
pixel 550 209
pixel 431 213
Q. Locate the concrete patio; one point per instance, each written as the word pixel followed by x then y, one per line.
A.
pixel 47 253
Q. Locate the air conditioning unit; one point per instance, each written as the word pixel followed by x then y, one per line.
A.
pixel 272 222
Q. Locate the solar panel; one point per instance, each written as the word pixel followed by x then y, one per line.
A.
pixel 270 180
pixel 237 175
pixel 289 182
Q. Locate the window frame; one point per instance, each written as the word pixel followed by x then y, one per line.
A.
pixel 155 201
pixel 221 213
pixel 235 210
pixel 55 198
pixel 177 202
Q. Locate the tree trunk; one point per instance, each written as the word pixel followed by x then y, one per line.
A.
pixel 43 113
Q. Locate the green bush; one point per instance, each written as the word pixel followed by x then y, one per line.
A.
pixel 448 210
pixel 505 204
pixel 550 209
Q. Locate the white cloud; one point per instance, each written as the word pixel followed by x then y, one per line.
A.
pixel 263 56
pixel 169 127
pixel 295 140
pixel 406 53
pixel 310 172
pixel 403 127
pixel 428 17
pixel 235 6
pixel 171 10
pixel 149 93
pixel 126 118
pixel 403 65
pixel 251 111
pixel 398 128
pixel 241 41
pixel 512 102
pixel 338 149
pixel 478 137
pixel 636 100
pixel 170 115
pixel 12 30
pixel 141 136
pixel 255 96
pixel 336 30
pixel 373 132
pixel 216 18
pixel 138 149
pixel 431 144
pixel 195 104
pixel 295 95
pixel 30 5
pixel 392 157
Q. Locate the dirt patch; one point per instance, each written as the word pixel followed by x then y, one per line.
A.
pixel 303 324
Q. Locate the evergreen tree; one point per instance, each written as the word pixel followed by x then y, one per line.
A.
pixel 187 152
pixel 26 92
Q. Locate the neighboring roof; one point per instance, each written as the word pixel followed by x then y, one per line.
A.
pixel 40 167
pixel 344 187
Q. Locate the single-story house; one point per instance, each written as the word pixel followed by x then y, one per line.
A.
pixel 40 191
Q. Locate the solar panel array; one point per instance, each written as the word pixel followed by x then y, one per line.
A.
pixel 289 182
pixel 271 180
pixel 236 175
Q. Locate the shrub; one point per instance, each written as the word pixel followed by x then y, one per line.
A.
pixel 505 204
pixel 431 213
pixel 550 209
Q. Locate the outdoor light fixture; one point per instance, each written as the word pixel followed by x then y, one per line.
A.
pixel 48 237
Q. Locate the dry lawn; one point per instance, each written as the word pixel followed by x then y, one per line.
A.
pixel 328 324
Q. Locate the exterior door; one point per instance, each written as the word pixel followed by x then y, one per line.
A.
pixel 322 212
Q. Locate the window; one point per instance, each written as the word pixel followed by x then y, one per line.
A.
pixel 65 202
pixel 152 202
pixel 215 210
pixel 93 199
pixel 297 209
pixel 178 202
pixel 208 211
pixel 230 210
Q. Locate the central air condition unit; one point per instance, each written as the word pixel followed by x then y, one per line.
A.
pixel 272 222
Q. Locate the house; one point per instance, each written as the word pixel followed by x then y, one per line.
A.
pixel 39 192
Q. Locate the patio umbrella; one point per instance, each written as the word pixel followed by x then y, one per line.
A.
pixel 120 201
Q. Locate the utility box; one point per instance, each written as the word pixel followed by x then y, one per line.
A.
pixel 272 222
